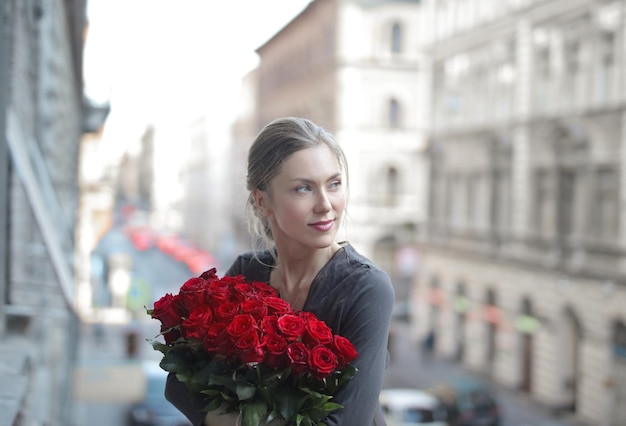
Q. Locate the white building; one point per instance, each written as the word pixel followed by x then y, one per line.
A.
pixel 523 260
pixel 354 68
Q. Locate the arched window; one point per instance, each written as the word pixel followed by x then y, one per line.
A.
pixel 396 38
pixel 392 187
pixel 394 113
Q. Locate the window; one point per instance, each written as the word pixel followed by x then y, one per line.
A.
pixel 458 202
pixel 473 200
pixel 605 217
pixel 541 40
pixel 543 202
pixel 567 190
pixel 607 45
pixel 573 57
pixel 392 188
pixel 606 60
pixel 394 114
pixel 396 38
pixel 500 202
pixel 543 62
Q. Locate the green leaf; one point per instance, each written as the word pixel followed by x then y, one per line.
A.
pixel 214 404
pixel 158 346
pixel 252 413
pixel 289 401
pixel 302 421
pixel 276 377
pixel 173 362
pixel 332 406
pixel 272 415
pixel 245 392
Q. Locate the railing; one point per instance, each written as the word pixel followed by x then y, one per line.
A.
pixel 45 206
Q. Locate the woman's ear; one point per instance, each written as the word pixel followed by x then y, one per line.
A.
pixel 260 201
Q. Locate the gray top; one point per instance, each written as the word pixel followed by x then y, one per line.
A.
pixel 355 299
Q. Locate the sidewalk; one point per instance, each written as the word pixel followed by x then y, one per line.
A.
pixel 106 379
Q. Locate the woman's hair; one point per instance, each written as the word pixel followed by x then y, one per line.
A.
pixel 272 146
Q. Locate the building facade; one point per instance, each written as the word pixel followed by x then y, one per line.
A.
pixel 353 67
pixel 522 261
pixel 41 123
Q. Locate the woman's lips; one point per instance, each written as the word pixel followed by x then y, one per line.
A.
pixel 323 226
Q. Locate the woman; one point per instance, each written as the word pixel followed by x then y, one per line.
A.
pixel 297 175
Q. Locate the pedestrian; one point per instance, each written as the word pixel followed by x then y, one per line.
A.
pixel 99 333
pixel 297 182
pixel 428 345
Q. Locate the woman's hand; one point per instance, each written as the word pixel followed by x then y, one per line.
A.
pixel 214 418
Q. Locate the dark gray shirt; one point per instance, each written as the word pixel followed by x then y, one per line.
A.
pixel 355 299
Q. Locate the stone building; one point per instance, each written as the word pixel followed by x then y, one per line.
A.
pixel 243 132
pixel 522 261
pixel 354 68
pixel 41 124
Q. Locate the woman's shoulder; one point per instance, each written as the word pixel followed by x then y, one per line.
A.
pixel 353 258
pixel 352 274
pixel 354 266
pixel 253 265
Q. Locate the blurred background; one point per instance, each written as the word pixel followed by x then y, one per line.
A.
pixel 485 138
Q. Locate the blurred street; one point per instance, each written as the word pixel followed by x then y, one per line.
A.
pixel 408 369
pixel 108 378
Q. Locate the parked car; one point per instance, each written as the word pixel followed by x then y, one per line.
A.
pixel 154 409
pixel 411 407
pixel 468 402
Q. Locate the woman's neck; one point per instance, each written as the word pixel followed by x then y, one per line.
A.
pixel 295 273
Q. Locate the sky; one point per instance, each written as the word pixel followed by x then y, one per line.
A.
pixel 156 60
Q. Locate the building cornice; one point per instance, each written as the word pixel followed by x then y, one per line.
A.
pixel 504 26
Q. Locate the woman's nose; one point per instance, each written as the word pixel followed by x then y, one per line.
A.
pixel 323 202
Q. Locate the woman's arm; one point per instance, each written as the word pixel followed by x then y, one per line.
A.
pixel 190 404
pixel 365 323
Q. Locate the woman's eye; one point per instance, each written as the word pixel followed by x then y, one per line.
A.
pixel 336 184
pixel 303 188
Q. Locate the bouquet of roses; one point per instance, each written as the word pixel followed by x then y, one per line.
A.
pixel 250 353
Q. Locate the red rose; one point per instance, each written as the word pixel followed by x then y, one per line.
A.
pixel 194 326
pixel 240 325
pixel 218 292
pixel 276 305
pixel 249 347
pixel 226 311
pixel 322 361
pixel 264 289
pixel 216 339
pixel 244 291
pixel 269 324
pixel 234 280
pixel 318 332
pixel 166 311
pixel 292 326
pixel 306 315
pixel 254 307
pixel 298 355
pixel 276 347
pixel 192 293
pixel 209 275
pixel 344 349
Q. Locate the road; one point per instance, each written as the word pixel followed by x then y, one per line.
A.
pixel 407 369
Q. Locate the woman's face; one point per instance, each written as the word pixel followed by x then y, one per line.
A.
pixel 306 199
